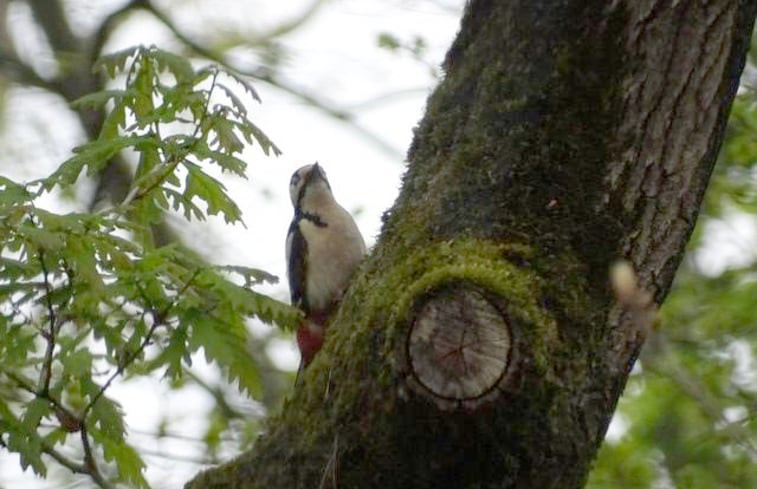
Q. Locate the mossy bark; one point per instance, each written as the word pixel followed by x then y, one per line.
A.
pixel 565 135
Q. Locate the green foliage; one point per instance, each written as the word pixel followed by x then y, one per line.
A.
pixel 690 412
pixel 79 283
pixel 416 48
pixel 734 183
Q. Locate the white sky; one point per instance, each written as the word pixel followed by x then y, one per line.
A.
pixel 335 56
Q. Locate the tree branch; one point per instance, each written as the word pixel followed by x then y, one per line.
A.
pixel 217 395
pixel 54 22
pixel 122 366
pixel 106 28
pixel 267 76
pixel 46 371
pixel 16 70
pixel 90 464
pixel 88 467
pixel 74 467
pixel 69 421
pixel 290 25
pixel 158 320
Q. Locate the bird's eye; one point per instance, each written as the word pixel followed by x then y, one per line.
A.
pixel 295 179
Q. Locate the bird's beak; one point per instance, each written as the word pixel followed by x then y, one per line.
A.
pixel 317 172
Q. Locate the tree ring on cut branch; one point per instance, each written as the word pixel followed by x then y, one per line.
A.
pixel 458 348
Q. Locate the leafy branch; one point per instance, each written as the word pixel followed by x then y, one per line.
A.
pixel 266 75
pixel 71 423
pixel 157 321
pixel 101 283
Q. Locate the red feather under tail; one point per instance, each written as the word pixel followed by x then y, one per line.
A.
pixel 310 336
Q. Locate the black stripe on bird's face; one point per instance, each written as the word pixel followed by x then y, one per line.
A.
pixel 310 178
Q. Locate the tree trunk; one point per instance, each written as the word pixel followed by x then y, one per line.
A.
pixel 480 345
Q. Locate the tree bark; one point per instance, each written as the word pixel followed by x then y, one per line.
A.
pixel 481 345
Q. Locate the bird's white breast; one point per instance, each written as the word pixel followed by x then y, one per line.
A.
pixel 334 252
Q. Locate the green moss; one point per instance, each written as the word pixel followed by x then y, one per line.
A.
pixel 389 297
pixel 469 262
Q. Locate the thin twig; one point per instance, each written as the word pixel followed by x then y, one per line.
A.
pixel 158 320
pixel 77 468
pixel 106 27
pixel 89 466
pixel 89 461
pixel 18 71
pixel 289 25
pixel 218 396
pixel 266 76
pixel 65 461
pixel 46 372
pixel 135 193
pixel 20 382
pixel 175 457
pixel 121 367
pixel 60 409
pixel 58 457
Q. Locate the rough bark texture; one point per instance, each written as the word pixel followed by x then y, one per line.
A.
pixel 565 135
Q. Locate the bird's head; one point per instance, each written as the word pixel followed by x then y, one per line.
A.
pixel 309 183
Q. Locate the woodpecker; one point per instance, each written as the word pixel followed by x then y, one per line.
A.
pixel 323 249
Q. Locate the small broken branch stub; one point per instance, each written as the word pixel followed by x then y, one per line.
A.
pixel 458 349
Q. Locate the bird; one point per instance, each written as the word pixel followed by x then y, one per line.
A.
pixel 324 248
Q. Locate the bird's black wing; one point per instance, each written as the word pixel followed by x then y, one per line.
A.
pixel 296 251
